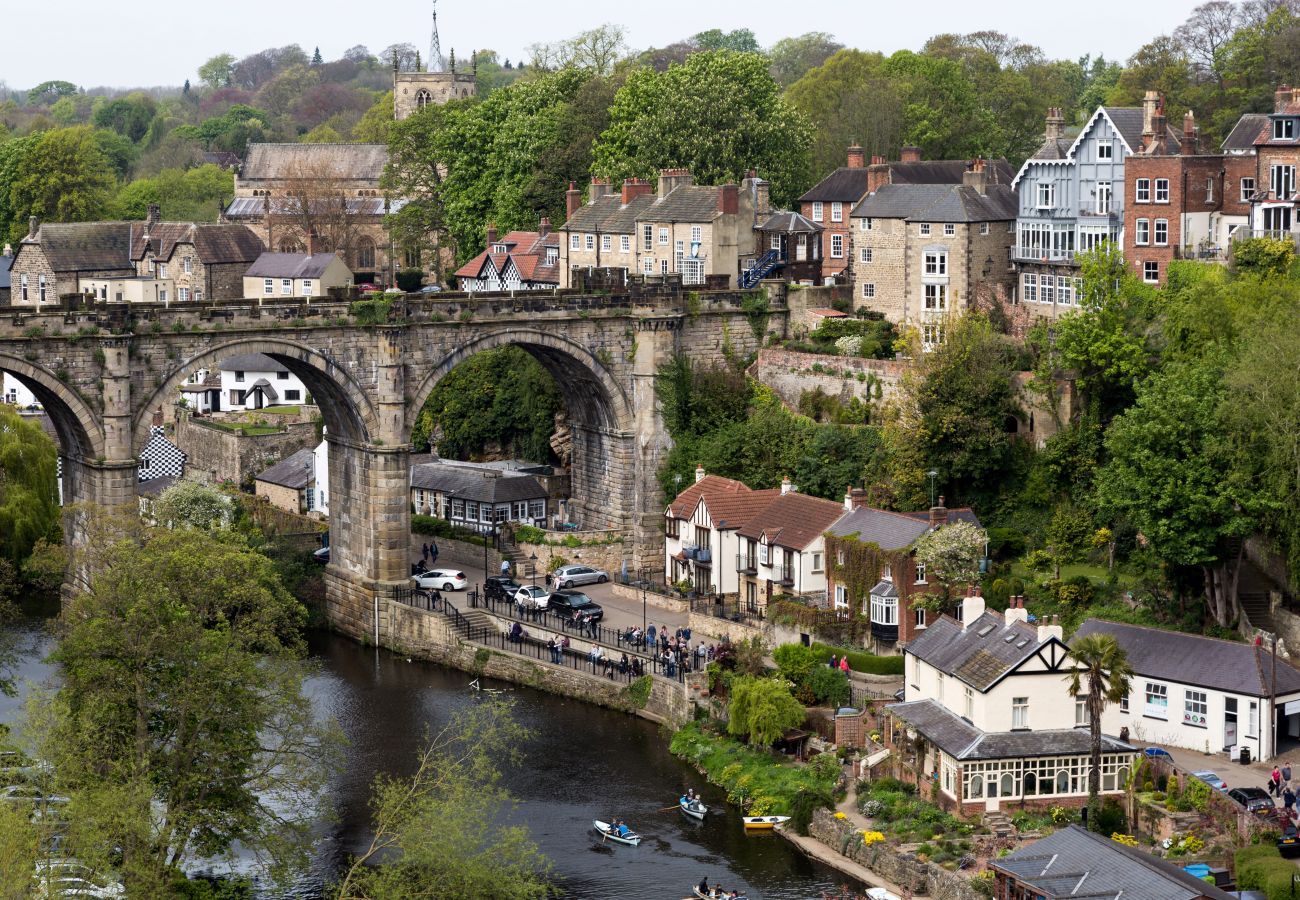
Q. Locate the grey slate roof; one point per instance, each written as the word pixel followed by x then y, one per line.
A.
pixel 6 262
pixel 980 654
pixel 1244 133
pixel 255 207
pixel 352 162
pixel 251 362
pixel 887 530
pixel 609 215
pixel 86 246
pixel 471 484
pixel 1076 863
pixel 1196 660
pixel 155 486
pixel 845 185
pixel 223 243
pixel 1128 121
pixel 684 203
pixel 295 472
pixel 290 265
pixel 939 203
pixel 789 223
pixel 963 741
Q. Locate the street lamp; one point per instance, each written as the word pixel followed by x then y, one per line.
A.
pixel 932 475
pixel 645 581
pixel 532 560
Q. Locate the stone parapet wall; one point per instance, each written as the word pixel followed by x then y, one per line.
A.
pixel 723 629
pixel 608 557
pixel 903 869
pixel 220 455
pixel 653 599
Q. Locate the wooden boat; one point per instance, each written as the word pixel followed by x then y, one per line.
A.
pixel 879 893
pixel 693 808
pixel 696 891
pixel 631 838
pixel 764 822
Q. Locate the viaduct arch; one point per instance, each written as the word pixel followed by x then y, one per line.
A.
pixel 370 382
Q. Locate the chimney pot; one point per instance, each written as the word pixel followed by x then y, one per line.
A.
pixel 786 485
pixel 856 157
pixel 699 473
pixel 544 227
pixel 910 154
pixel 1189 134
pixel 491 234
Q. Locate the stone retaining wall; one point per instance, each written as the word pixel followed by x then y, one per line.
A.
pixel 719 629
pixel 659 601
pixel 602 556
pixel 903 869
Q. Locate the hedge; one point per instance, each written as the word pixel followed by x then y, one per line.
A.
pixel 1262 868
pixel 436 527
pixel 862 661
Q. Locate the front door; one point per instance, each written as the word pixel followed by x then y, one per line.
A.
pixel 1229 723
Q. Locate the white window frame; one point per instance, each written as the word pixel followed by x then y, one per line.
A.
pixel 308 288
pixel 647 237
pixel 648 265
pixel 1160 233
pixel 1209 189
pixel 925 229
pixel 268 287
pixel 1284 129
pixel 935 297
pixel 1142 232
pixel 868 291
pixel 841 597
pixel 1105 194
pixel 1029 287
pixel 1151 271
pixel 868 224
pixel 1156 700
pixel 1019 713
pixel 286 287
pixel 1142 190
pixel 818 211
pixel 663 236
pixel 920 573
pixel 949 229
pixel 589 241
pixel 837 246
pixel 625 243
pixel 187 265
pixel 1105 151
pixel 575 242
pixel 931 336
pixel 984 228
pixel 969 703
pixel 935 263
pixel 1045 194
pixel 162 270
pixel 865 254
pixel 697 234
pixel 1162 190
pixel 1196 708
pixel 816 562
pixel 1247 187
pixel 837 211
pixel 884 611
pixel 182 294
pixel 606 242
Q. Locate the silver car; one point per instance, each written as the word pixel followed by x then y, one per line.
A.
pixel 569 576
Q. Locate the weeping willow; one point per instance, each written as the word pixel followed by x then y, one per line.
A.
pixel 29 508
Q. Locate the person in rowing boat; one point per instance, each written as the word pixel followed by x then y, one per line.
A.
pixel 703 889
pixel 623 830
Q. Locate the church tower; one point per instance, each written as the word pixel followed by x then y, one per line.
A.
pixel 438 83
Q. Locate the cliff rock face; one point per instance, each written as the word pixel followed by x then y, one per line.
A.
pixel 562 439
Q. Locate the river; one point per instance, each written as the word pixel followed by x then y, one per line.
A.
pixel 582 763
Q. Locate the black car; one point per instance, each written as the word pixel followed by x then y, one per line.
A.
pixel 499 587
pixel 574 605
pixel 1255 800
pixel 1289 843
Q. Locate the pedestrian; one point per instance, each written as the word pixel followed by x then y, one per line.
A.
pixel 505 567
pixel 1286 772
pixel 424 552
pixel 844 664
pixel 1274 781
pixel 650 636
pixel 832 662
pixel 1288 800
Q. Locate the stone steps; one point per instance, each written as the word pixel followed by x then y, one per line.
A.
pixel 998 823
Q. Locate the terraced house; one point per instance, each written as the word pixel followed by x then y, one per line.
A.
pixel 701 528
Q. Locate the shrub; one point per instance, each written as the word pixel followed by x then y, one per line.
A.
pixel 371 312
pixel 829 686
pixel 530 534
pixel 861 661
pixel 1262 868
pixel 795 662
pixel 1111 818
pixel 409 280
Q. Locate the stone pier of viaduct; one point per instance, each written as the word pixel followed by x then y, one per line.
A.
pixel 102 370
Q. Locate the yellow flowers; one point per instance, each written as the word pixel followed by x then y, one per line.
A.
pixel 872 837
pixel 840 816
pixel 1126 839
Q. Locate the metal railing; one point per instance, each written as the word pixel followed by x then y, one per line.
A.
pixel 783 574
pixel 746 563
pixel 731 608
pixel 1044 254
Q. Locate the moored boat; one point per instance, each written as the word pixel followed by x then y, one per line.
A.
pixel 764 822
pixel 879 893
pixel 631 838
pixel 693 807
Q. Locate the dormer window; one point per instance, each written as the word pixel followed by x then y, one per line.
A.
pixel 1284 129
pixel 552 255
pixel 499 248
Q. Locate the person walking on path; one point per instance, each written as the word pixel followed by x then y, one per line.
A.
pixel 1274 781
pixel 1286 773
pixel 844 664
pixel 505 567
pixel 424 552
pixel 1288 800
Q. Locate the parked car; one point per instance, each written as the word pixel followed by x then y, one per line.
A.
pixel 1157 753
pixel 1289 843
pixel 1212 780
pixel 572 605
pixel 500 587
pixel 431 289
pixel 322 556
pixel 569 576
pixel 367 289
pixel 532 597
pixel 1255 800
pixel 441 580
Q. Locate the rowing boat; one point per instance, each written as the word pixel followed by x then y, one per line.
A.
pixel 879 893
pixel 703 896
pixel 764 822
pixel 693 808
pixel 631 838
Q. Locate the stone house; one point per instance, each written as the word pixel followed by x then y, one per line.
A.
pixel 1204 693
pixel 290 484
pixel 295 275
pixel 50 261
pixel 701 528
pixel 923 252
pixel 478 498
pixel 782 548
pixel 987 718
pixel 1054 868
pixel 872 567
pixel 517 261
pixel 1277 150
pixel 203 261
pixel 703 234
pixel 255 381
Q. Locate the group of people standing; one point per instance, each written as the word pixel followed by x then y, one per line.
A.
pixel 1279 785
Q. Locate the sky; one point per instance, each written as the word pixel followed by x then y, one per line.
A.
pixel 96 43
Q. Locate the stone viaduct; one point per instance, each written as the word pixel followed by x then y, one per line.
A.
pixel 102 370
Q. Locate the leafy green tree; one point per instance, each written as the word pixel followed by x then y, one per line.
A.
pixel 376 122
pixel 440 832
pixel 1263 256
pixel 937 95
pixel 838 456
pixel 184 195
pixel 1176 474
pixel 217 71
pixel 322 134
pixel 180 725
pixel 18 852
pixel 48 92
pixel 951 556
pixel 719 114
pixel 762 710
pixel 849 99
pixel 792 57
pixel 829 686
pixel 738 40
pixel 1068 534
pixel 129 116
pixel 1101 675
pixel 795 662
pixel 29 509
pixel 63 177
pixel 501 401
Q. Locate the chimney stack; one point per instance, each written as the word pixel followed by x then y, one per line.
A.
pixel 671 179
pixel 311 243
pixel 728 199
pixel 1016 611
pixel 491 234
pixel 972 608
pixel 544 227
pixel 857 157
pixel 910 154
pixel 1055 124
pixel 938 514
pixel 1189 134
pixel 1150 104
pixel 633 188
pixel 572 200
pixel 155 215
pixel 699 473
pixel 33 225
pixel 976 176
pixel 1052 629
pixel 1282 98
pixel 598 188
pixel 787 487
pixel 761 194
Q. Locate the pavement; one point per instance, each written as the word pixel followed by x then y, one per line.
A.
pixel 1233 773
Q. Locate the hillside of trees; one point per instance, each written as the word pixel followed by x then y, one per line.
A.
pixel 716 101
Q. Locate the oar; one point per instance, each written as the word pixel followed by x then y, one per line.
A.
pixel 669 808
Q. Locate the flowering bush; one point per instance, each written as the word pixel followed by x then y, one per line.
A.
pixel 840 815
pixel 849 345
pixel 872 837
pixel 1126 839
pixel 1060 815
pixel 872 808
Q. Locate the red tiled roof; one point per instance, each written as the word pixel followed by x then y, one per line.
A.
pixel 793 520
pixel 828 313
pixel 528 251
pixel 727 499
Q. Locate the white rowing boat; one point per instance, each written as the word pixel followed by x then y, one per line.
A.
pixel 631 838
pixel 693 808
pixel 764 822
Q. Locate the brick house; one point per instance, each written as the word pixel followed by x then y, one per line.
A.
pixel 871 566
pixel 987 719
pixel 1056 866
pixel 830 202
pixel 1181 203
pixel 1277 149
pixel 782 548
pixel 518 261
pixel 925 251
pixel 703 234
pixel 700 532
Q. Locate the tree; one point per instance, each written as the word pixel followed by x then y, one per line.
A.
pixel 937 95
pixel 1068 534
pixel 316 58
pixel 1205 36
pixel 951 556
pixel 1175 474
pixel 315 206
pixel 18 852
pixel 63 177
pixel 217 72
pixel 375 123
pixel 719 114
pixel 129 116
pixel 29 509
pixel 194 505
pixel 180 725
pixel 439 833
pixel 792 57
pixel 1102 675
pixel 597 50
pixel 738 40
pixel 849 99
pixel 46 93
pixel 836 457
pixel 762 710
pixel 400 56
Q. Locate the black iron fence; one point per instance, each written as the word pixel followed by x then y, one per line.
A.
pixel 731 608
pixel 630 639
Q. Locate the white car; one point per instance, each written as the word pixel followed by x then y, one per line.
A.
pixel 532 597
pixel 441 580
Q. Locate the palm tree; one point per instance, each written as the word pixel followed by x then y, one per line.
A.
pixel 1101 661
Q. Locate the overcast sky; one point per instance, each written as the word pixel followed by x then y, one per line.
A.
pixel 95 42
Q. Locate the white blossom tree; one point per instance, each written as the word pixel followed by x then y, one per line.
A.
pixel 951 556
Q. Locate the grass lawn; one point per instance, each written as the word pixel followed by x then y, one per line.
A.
pixel 244 428
pixel 280 410
pixel 1098 575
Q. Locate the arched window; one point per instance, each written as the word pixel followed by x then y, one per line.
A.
pixel 1008 787
pixel 412 257
pixel 1062 782
pixel 422 98
pixel 365 254
pixel 290 245
pixel 1031 784
pixel 976 787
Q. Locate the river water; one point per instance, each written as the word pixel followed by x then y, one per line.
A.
pixel 582 763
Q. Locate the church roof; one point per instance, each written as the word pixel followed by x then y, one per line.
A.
pixel 345 162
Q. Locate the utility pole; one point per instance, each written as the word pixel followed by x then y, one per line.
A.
pixel 1272 699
